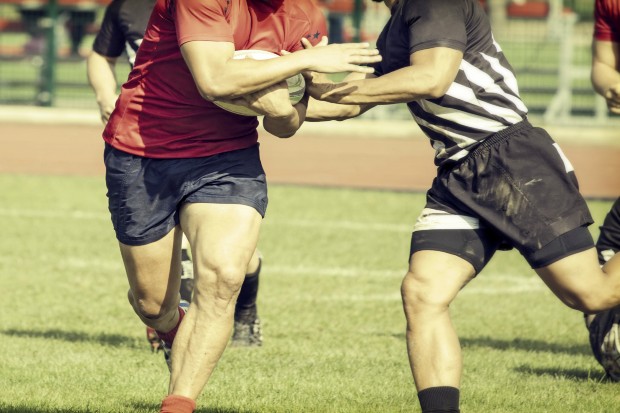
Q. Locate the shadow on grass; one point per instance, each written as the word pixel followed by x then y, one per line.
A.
pixel 146 407
pixel 137 407
pixel 526 345
pixel 569 374
pixel 112 340
pixel 520 344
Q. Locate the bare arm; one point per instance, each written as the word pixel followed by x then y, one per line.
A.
pixel 429 75
pixel 606 72
pixel 102 79
pixel 319 110
pixel 287 126
pixel 218 76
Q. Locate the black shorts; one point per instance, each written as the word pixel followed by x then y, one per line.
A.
pixel 515 190
pixel 145 194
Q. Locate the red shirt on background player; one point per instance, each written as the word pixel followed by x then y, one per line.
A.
pixel 606 52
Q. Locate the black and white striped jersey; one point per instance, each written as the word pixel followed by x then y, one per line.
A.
pixel 484 97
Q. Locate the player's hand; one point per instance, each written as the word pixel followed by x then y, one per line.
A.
pixel 612 96
pixel 106 107
pixel 336 58
pixel 316 83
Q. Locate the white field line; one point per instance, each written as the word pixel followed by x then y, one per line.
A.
pixel 486 285
pixel 340 225
pixel 492 284
pixel 489 284
pixel 52 214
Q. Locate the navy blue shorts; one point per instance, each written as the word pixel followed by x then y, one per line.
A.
pixel 146 194
pixel 515 190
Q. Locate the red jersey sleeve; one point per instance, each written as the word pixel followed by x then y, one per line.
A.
pixel 315 24
pixel 202 20
pixel 607 20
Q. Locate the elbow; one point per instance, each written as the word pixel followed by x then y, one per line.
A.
pixel 280 132
pixel 285 135
pixel 436 90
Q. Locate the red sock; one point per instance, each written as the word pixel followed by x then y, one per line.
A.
pixel 168 337
pixel 177 404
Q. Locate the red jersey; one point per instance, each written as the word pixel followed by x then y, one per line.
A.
pixel 160 113
pixel 607 20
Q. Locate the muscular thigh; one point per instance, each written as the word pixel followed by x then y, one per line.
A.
pixel 145 195
pixel 458 235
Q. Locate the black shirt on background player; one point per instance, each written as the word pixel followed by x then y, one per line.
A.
pixel 123 28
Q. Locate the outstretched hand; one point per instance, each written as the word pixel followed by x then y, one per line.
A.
pixel 345 57
pixel 317 84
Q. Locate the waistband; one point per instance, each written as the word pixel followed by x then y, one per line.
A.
pixel 501 136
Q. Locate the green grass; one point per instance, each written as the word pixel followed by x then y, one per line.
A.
pixel 329 300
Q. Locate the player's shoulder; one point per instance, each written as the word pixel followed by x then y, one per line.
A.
pixel 607 8
pixel 304 9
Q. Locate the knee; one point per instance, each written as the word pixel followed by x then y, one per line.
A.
pixel 420 297
pixel 150 307
pixel 222 281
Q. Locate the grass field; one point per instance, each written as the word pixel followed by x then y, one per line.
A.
pixel 329 301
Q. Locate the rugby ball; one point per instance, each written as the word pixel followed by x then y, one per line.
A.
pixel 296 84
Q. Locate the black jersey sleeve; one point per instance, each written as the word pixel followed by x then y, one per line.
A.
pixel 436 23
pixel 110 41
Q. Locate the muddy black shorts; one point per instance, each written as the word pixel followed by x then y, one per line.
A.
pixel 145 194
pixel 514 190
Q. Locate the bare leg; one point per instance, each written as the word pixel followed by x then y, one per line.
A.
pixel 223 239
pixel 153 272
pixel 582 284
pixel 433 281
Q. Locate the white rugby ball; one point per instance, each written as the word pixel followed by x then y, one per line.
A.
pixel 296 84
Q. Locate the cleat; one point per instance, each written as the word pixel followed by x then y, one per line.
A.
pixel 247 334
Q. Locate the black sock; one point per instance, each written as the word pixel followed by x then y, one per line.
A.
pixel 245 309
pixel 442 399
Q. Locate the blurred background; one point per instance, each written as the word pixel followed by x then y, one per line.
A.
pixel 43 45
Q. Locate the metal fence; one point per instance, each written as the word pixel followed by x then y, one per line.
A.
pixel 43 45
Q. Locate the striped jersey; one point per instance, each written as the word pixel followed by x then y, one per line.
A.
pixel 484 97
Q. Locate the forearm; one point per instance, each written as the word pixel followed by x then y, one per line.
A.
pixel 101 77
pixel 323 111
pixel 404 85
pixel 229 78
pixel 219 76
pixel 241 77
pixel 429 75
pixel 605 65
pixel 604 77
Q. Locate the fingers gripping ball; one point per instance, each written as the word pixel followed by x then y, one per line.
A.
pixel 296 84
